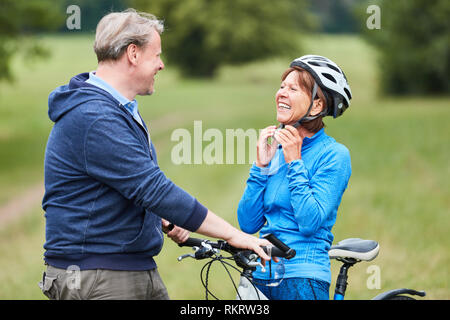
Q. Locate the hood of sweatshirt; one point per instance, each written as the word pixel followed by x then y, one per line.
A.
pixel 69 96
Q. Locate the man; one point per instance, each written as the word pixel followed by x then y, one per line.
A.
pixel 105 196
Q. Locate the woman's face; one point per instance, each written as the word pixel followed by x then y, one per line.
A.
pixel 292 102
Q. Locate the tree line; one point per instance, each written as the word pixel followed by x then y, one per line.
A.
pixel 202 35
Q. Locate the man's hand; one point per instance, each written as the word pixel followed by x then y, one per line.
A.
pixel 177 234
pixel 214 226
pixel 243 240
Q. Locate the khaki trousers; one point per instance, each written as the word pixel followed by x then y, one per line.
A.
pixel 73 284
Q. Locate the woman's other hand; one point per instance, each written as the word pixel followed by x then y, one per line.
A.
pixel 264 150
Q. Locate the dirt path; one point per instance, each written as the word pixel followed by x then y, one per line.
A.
pixel 20 205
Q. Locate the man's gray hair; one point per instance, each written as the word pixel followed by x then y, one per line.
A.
pixel 117 30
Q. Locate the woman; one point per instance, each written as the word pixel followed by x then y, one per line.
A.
pixel 297 182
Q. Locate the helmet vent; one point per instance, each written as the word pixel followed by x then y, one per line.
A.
pixel 329 77
pixel 317 64
pixel 334 68
pixel 323 64
pixel 319 58
pixel 349 95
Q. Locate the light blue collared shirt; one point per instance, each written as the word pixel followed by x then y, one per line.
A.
pixel 130 106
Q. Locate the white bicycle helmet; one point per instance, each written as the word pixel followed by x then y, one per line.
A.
pixel 331 79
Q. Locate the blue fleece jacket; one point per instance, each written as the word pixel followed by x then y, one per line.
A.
pixel 298 203
pixel 104 191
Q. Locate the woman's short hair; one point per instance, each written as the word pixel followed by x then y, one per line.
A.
pixel 117 30
pixel 306 82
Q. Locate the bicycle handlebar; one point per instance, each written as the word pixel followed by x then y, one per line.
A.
pixel 280 249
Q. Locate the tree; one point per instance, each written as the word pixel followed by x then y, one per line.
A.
pixel 335 16
pixel 19 19
pixel 413 43
pixel 202 35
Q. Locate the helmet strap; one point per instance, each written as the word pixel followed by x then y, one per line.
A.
pixel 307 117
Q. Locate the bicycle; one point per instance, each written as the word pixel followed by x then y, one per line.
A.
pixel 349 252
pixel 246 260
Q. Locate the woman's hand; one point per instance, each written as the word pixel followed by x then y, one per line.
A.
pixel 291 142
pixel 264 150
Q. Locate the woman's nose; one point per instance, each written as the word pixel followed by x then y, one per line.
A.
pixel 281 92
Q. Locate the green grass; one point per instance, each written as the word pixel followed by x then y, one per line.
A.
pixel 21 257
pixel 397 195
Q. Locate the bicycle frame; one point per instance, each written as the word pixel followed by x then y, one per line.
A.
pixel 341 282
pixel 247 289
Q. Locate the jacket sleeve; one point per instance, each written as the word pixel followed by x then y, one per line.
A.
pixel 115 156
pixel 314 199
pixel 251 207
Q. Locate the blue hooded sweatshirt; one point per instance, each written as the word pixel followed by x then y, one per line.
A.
pixel 104 192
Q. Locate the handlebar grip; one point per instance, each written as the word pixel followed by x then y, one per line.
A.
pixel 275 252
pixel 288 252
pixel 192 242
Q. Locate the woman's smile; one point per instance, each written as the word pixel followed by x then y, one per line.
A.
pixel 283 107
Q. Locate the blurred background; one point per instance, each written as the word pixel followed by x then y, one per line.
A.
pixel 224 59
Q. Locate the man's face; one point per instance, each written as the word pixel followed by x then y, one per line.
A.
pixel 149 64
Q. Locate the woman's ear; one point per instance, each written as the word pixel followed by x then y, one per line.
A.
pixel 317 107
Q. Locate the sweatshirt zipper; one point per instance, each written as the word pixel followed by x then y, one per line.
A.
pixel 142 126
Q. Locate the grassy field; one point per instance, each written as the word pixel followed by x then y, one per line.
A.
pixel 398 193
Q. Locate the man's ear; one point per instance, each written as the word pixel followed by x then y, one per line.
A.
pixel 132 53
pixel 317 107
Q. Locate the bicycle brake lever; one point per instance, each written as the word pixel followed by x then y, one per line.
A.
pixel 192 255
pixel 185 256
